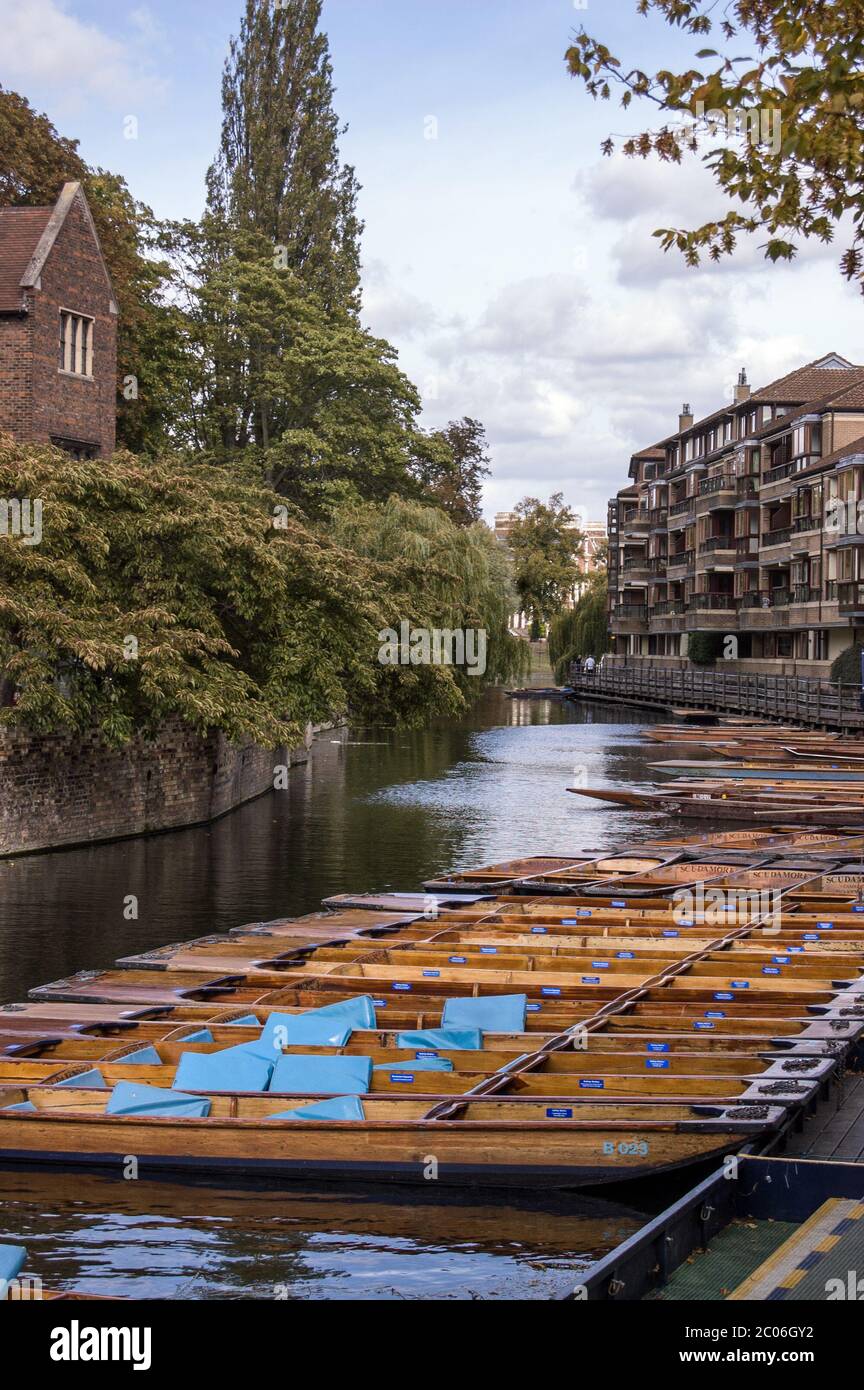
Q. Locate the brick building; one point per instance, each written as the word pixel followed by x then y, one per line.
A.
pixel 748 524
pixel 58 328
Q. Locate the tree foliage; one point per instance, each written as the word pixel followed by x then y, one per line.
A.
pixel 796 66
pixel 582 630
pixel 546 544
pixel 441 576
pixel 450 466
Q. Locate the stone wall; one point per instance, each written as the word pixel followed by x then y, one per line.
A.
pixel 66 790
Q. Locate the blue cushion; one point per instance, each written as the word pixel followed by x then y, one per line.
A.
pixel 202 1035
pixel 492 1013
pixel 359 1012
pixel 337 1108
pixel 12 1259
pixel 131 1099
pixel 316 1028
pixel 238 1068
pixel 23 1106
pixel 93 1078
pixel 417 1064
pixel 447 1039
pixel 145 1056
pixel 247 1021
pixel 317 1076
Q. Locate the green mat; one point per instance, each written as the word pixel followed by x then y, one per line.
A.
pixel 739 1249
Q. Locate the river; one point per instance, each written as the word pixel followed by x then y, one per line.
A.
pixel 371 810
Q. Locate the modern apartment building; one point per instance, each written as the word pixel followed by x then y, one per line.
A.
pixel 748 524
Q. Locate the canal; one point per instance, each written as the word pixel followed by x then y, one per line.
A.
pixel 371 810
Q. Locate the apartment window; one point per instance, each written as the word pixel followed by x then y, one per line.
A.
pixel 76 344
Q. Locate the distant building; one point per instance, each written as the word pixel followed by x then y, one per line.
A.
pixel 58 328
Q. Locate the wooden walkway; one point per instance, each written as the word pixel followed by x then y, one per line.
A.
pixel 836 1130
pixel 802 701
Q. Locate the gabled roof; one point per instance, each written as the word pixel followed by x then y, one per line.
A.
pixel 20 232
pixel 829 373
pixel 27 237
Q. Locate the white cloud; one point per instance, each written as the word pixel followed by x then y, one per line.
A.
pixel 44 45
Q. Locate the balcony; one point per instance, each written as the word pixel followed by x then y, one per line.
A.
pixel 657 564
pixel 747 548
pixel 682 562
pixel 753 598
pixel 657 518
pixel 781 536
pixel 777 474
pixel 715 543
pixel 850 594
pixel 635 525
pixel 720 482
pixel 806 523
pixel 747 487
pixel 805 593
pixel 629 617
pixel 779 597
pixel 713 602
pixel 668 607
pixel 682 507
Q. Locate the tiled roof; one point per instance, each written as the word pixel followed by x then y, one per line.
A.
pixel 808 383
pixel 20 230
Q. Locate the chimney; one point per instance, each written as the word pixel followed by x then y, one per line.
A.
pixel 742 390
pixel 685 419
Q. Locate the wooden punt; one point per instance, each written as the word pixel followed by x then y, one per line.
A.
pixel 484 1141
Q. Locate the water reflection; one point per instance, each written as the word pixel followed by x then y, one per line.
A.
pixel 372 810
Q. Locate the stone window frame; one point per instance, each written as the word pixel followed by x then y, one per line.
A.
pixel 77 359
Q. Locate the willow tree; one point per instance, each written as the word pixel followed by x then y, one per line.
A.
pixel 440 577
pixel 786 93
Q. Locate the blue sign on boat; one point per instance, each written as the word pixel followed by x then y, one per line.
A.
pixel 624 955
pixel 592 1083
pixel 715 1013
pixel 700 1025
pixel 656 1063
pixel 539 931
pixel 380 1003
pixel 599 965
pixel 811 936
pixel 724 998
pixel 403 987
pixel 671 933
pixel 432 974
pixel 590 980
pixel 771 970
pixel 829 926
pixel 619 902
pixel 403 1078
pixel 656 1047
pixel 458 960
pixel 429 1053
pixel 532 1008
pixel 780 960
pixel 550 989
pixel 739 984
pixel 558 1112
pixel 567 922
pixel 488 950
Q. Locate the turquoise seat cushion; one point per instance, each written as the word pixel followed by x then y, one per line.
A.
pixel 12 1259
pixel 247 1021
pixel 337 1108
pixel 241 1068
pixel 316 1028
pixel 145 1056
pixel 128 1098
pixel 202 1035
pixel 444 1039
pixel 24 1107
pixel 92 1078
pixel 417 1064
pixel 316 1076
pixel 492 1013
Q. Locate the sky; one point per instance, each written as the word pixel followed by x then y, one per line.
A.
pixel 507 260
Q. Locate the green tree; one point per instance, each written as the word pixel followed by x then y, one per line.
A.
pixel 793 71
pixel 278 171
pixel 582 630
pixel 441 576
pixel 546 544
pixel 450 466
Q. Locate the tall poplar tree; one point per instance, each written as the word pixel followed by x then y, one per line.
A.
pixel 278 171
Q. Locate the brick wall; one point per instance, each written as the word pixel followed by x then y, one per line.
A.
pixel 61 790
pixel 63 405
pixel 16 415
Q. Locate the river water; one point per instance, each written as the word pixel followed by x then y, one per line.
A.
pixel 372 810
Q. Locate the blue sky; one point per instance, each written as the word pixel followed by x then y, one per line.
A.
pixel 509 263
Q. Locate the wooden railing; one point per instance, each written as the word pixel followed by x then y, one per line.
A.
pixel 793 699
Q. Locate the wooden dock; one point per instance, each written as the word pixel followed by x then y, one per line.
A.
pixel 803 701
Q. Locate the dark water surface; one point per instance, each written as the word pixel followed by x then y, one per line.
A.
pixel 372 810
